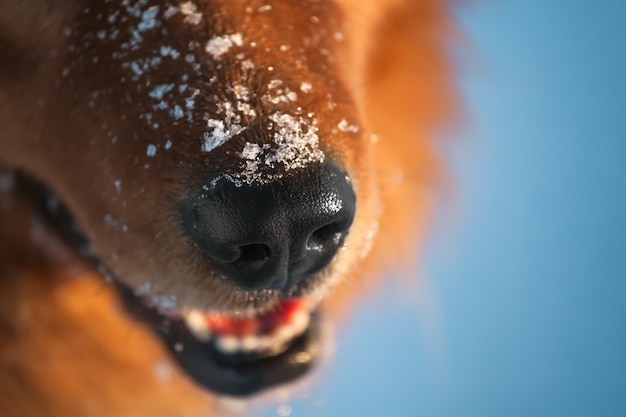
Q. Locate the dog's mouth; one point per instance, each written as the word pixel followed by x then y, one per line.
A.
pixel 233 353
pixel 239 354
pixel 259 335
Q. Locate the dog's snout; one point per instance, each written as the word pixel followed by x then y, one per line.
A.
pixel 273 235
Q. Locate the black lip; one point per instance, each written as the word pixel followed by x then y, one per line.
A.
pixel 238 375
pixel 235 375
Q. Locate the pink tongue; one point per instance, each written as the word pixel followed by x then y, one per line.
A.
pixel 264 323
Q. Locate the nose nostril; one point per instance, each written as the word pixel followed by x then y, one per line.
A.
pixel 223 255
pixel 320 238
pixel 253 253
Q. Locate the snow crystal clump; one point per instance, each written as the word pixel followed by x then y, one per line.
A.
pixel 306 87
pixel 143 289
pixel 278 95
pixel 148 19
pixel 190 10
pixel 344 126
pixel 229 118
pixel 160 90
pixel 222 129
pixel 251 151
pixel 219 45
pixel 297 147
pixel 170 11
pixel 219 134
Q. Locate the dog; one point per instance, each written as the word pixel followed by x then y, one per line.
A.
pixel 188 186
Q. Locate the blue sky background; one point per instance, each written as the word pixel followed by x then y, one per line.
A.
pixel 523 307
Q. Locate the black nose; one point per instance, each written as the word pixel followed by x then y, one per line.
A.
pixel 273 235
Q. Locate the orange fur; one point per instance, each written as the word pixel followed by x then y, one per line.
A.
pixel 67 347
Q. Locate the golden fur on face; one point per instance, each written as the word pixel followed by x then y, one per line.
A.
pixel 127 110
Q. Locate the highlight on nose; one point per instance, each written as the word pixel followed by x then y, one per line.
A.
pixel 273 235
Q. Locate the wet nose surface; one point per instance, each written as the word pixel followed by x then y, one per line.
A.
pixel 274 235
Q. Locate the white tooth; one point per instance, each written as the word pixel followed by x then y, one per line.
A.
pixel 265 342
pixel 196 322
pixel 300 322
pixel 250 343
pixel 228 344
pixel 283 334
pixel 289 331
